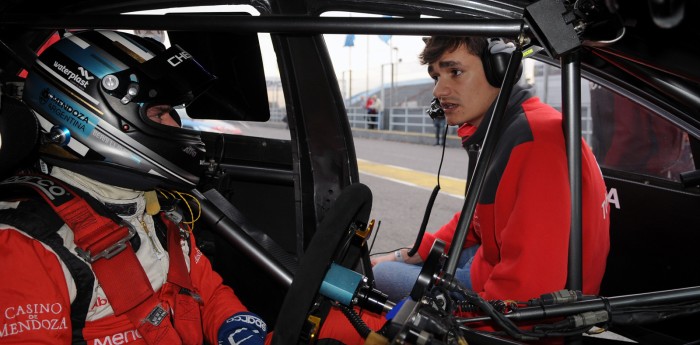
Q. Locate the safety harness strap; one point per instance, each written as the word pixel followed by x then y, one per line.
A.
pixel 187 302
pixel 102 243
pixel 177 271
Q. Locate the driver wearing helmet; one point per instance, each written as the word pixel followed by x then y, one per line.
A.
pixel 107 255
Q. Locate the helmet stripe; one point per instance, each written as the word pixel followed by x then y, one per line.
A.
pixel 129 47
pixel 88 54
pixel 79 42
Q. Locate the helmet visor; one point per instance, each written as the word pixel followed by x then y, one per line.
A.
pixel 172 77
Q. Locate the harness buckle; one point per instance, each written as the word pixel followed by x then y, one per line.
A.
pixel 110 251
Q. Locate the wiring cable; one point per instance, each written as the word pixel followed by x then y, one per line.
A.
pixel 177 196
pixel 355 320
pixel 374 239
pixel 431 201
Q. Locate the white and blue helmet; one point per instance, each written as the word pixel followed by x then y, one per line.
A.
pixel 93 88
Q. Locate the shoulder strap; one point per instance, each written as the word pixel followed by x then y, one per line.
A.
pixel 187 302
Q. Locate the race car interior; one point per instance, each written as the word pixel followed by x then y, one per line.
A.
pixel 293 217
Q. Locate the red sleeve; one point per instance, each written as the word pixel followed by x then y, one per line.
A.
pixel 337 327
pixel 446 233
pixel 220 302
pixel 34 298
pixel 532 225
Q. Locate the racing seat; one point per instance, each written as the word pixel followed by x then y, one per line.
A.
pixel 19 133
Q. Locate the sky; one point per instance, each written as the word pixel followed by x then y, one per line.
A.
pixel 370 55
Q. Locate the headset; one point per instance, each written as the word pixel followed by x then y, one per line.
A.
pixel 495 60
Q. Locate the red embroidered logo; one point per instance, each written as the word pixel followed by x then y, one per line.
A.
pixel 99 302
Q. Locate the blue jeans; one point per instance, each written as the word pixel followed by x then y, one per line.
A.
pixel 396 279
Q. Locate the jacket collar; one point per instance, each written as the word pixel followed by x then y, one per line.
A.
pixel 475 135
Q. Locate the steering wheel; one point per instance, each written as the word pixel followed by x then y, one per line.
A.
pixel 353 205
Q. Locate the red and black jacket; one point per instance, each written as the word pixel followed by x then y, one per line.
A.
pixel 522 218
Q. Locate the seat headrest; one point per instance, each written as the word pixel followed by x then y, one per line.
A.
pixel 19 133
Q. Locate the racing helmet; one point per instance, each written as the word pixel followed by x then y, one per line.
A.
pixel 91 91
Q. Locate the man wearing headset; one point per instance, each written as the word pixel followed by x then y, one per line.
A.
pixel 517 244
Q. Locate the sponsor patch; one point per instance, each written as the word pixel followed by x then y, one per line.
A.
pixel 55 193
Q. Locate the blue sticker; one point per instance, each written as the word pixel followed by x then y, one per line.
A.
pixel 390 315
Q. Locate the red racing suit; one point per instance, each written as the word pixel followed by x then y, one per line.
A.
pixel 39 297
pixel 522 217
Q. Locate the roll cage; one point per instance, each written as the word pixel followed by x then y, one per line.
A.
pixel 317 180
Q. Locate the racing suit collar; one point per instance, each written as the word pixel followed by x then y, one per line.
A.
pixel 124 202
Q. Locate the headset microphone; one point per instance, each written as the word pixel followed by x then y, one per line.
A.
pixel 435 111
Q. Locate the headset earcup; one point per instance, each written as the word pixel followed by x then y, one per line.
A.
pixel 495 61
pixel 487 61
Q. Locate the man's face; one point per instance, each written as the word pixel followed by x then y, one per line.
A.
pixel 161 114
pixel 461 86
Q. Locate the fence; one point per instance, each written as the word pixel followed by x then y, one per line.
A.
pixel 412 120
pixel 398 119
